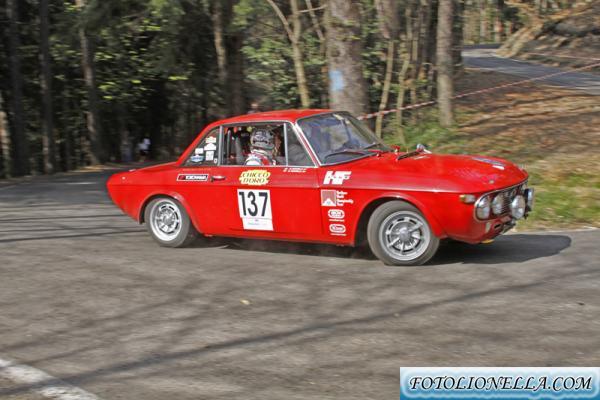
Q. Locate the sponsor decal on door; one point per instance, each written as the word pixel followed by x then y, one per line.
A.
pixel 192 177
pixel 336 177
pixel 255 177
pixel 336 214
pixel 334 198
pixel 255 209
pixel 337 229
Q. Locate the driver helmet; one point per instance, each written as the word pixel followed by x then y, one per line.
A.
pixel 262 139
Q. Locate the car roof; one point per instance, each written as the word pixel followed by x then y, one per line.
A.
pixel 281 115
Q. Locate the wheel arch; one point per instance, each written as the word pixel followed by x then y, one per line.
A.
pixel 173 195
pixel 360 234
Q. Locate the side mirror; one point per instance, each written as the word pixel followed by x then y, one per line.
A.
pixel 422 149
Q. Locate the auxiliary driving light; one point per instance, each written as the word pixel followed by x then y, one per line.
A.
pixel 517 207
pixel 498 204
pixel 529 198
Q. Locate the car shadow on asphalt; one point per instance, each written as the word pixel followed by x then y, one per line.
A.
pixel 514 248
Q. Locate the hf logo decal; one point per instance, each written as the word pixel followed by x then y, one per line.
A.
pixel 336 177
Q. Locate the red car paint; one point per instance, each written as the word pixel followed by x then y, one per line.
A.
pixel 327 204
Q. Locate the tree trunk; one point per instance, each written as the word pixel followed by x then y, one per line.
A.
pixel 3 157
pixel 220 46
pixel 387 14
pixel 294 34
pixel 49 147
pixel 347 87
pixel 405 58
pixel 67 138
pixel 322 49
pixel 236 100
pixel 298 56
pixel 458 38
pixel 387 84
pixel 20 144
pixel 228 44
pixel 445 88
pixel 483 21
pixel 219 41
pixel 415 62
pixel 96 150
pixel 406 51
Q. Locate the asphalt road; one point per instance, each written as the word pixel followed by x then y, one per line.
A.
pixel 485 58
pixel 87 296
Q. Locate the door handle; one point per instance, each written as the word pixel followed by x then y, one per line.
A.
pixel 217 178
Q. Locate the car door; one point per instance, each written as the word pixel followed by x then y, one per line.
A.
pixel 278 201
pixel 193 182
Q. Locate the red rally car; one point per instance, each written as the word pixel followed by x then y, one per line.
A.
pixel 328 179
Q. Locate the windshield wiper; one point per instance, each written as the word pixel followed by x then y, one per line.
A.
pixel 361 152
pixel 409 154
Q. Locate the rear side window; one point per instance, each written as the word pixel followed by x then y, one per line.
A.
pixel 207 151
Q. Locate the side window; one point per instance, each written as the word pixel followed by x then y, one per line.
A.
pixel 236 142
pixel 207 151
pixel 297 155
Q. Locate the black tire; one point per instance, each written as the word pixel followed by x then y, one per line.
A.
pixel 183 232
pixel 394 227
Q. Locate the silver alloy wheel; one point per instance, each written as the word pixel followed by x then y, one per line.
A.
pixel 404 235
pixel 165 220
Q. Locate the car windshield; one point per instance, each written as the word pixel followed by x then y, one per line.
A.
pixel 339 137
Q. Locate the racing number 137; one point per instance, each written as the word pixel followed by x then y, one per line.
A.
pixel 254 203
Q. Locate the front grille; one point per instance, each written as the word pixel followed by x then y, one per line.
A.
pixel 508 195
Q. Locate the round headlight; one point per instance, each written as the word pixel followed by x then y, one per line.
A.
pixel 517 207
pixel 498 204
pixel 482 208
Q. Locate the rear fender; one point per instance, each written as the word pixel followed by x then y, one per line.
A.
pixel 176 196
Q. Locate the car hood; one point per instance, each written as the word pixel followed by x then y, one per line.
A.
pixel 443 172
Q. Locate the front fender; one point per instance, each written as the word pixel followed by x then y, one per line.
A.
pixel 425 206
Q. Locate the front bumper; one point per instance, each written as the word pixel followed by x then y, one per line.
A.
pixel 478 231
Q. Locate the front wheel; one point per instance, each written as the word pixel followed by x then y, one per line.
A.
pixel 168 223
pixel 399 234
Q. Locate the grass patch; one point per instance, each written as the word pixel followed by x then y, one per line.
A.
pixel 565 199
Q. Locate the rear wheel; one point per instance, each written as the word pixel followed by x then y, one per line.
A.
pixel 399 234
pixel 168 223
